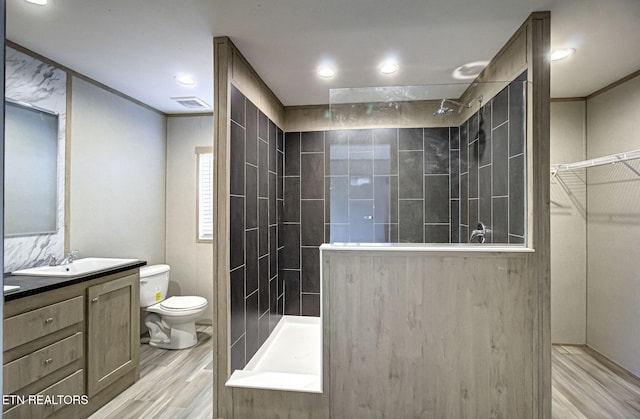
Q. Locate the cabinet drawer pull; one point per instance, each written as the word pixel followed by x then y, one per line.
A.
pixel 48 320
pixel 48 361
pixel 94 300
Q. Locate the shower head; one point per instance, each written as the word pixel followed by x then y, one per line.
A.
pixel 444 110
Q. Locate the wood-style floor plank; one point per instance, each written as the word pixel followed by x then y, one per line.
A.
pixel 179 384
pixel 172 384
pixel 585 385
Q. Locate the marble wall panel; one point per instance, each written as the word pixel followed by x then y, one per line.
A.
pixel 32 81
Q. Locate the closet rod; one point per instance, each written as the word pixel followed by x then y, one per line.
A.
pixel 613 158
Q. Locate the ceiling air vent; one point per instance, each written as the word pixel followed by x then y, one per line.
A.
pixel 191 102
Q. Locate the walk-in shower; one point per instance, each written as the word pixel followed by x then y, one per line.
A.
pixel 379 170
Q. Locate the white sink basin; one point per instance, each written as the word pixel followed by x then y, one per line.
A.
pixel 78 267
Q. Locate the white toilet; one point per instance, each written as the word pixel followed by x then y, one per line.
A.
pixel 171 321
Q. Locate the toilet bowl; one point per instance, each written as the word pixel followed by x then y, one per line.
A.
pixel 171 321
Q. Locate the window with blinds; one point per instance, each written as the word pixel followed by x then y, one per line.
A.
pixel 205 193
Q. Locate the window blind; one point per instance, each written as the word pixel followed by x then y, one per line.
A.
pixel 205 196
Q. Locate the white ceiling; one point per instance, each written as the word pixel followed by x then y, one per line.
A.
pixel 137 47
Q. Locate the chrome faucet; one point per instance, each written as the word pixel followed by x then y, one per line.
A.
pixel 50 259
pixel 69 258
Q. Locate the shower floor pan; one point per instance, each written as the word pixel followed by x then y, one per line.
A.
pixel 290 359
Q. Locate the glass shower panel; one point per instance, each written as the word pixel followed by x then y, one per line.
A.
pixel 426 164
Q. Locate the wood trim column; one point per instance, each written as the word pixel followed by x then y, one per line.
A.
pixel 221 311
pixel 538 232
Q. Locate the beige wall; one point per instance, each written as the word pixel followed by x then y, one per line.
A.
pixel 568 225
pixel 595 219
pixel 191 262
pixel 117 180
pixel 613 227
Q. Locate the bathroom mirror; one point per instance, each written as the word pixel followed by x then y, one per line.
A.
pixel 31 150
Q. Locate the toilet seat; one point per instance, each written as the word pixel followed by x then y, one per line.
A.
pixel 178 306
pixel 182 303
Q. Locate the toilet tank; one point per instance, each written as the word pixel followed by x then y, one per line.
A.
pixel 154 281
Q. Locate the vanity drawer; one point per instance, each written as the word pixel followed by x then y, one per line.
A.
pixel 46 405
pixel 34 324
pixel 30 368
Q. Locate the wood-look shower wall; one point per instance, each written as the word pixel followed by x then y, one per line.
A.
pixel 439 334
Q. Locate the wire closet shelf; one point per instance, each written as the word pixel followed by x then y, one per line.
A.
pixel 599 161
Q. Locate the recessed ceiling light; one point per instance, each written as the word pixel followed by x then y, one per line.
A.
pixel 185 79
pixel 38 2
pixel 326 72
pixel 469 70
pixel 389 68
pixel 561 54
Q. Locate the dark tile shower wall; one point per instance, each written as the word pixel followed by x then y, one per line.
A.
pixel 492 167
pixel 372 185
pixel 256 193
pixel 302 222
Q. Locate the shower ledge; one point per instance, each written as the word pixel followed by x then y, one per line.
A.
pixel 429 247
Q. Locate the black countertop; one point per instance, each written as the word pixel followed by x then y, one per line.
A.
pixel 30 285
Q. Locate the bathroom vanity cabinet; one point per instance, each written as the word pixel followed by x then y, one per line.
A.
pixel 113 342
pixel 71 349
